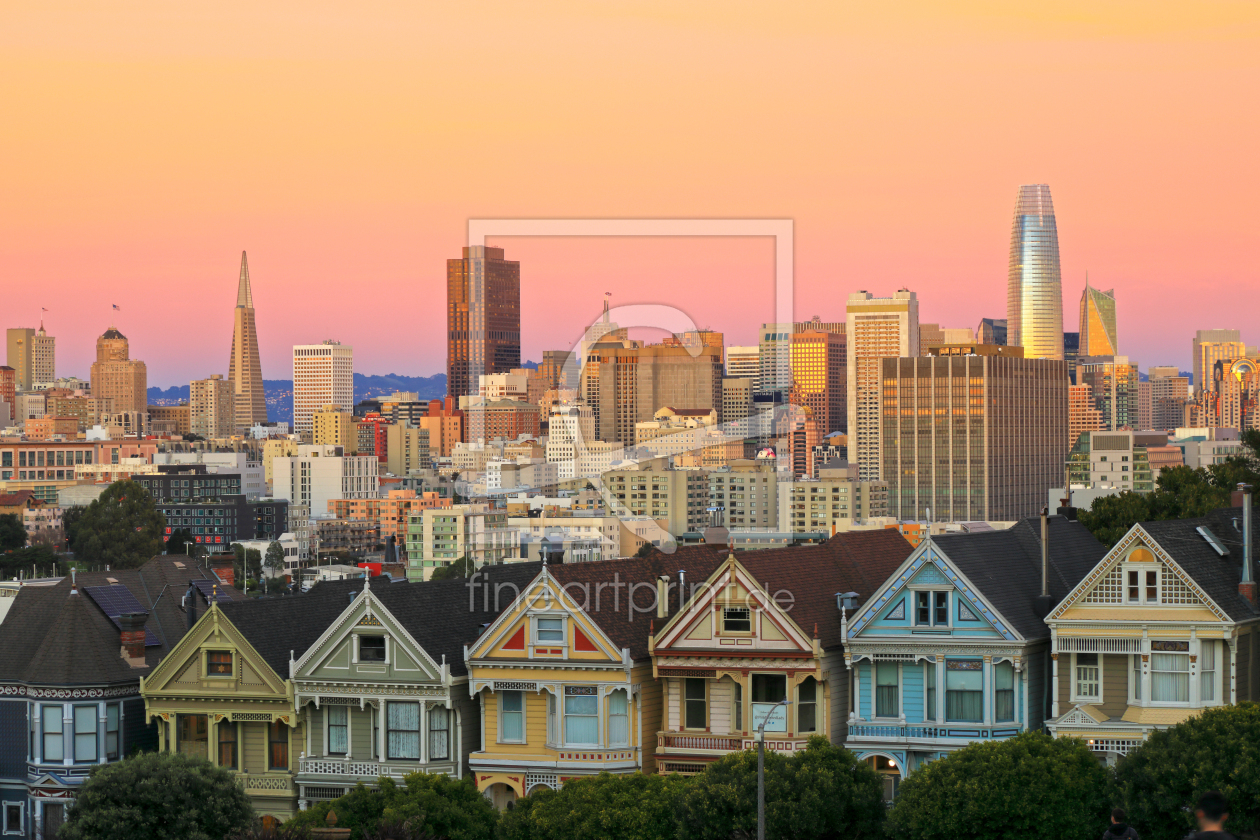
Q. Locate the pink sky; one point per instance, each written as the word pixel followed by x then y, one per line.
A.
pixel 145 144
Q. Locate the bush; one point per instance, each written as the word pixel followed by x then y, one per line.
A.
pixel 630 807
pixel 823 791
pixel 435 803
pixel 1031 786
pixel 1160 781
pixel 158 796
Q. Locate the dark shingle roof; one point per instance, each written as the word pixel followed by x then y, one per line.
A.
pixel 52 637
pixel 1006 566
pixel 1218 576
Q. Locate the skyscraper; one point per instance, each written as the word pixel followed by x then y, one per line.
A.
pixel 244 368
pixel 774 358
pixel 211 407
pixel 1098 322
pixel 991 331
pixel 1209 347
pixel 743 363
pixel 818 378
pixel 323 375
pixel 32 355
pixel 876 328
pixel 1034 294
pixel 1114 381
pixel 117 377
pixel 483 317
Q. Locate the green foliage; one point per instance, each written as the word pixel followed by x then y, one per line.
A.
pixel 121 528
pixel 1031 786
pixel 631 807
pixel 179 538
pixel 461 568
pixel 645 550
pixel 434 803
pixel 823 791
pixel 43 558
pixel 12 532
pixel 158 796
pixel 1159 782
pixel 274 560
pixel 283 831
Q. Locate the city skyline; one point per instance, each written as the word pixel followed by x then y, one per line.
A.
pixel 105 208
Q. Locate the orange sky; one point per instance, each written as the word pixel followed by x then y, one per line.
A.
pixel 144 144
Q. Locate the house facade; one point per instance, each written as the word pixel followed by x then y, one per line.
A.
pixel 951 649
pixel 1162 628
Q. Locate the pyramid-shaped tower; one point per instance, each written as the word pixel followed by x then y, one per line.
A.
pixel 245 369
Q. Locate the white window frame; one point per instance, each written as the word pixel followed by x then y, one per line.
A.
pixel 1142 569
pixel 626 693
pixel 1171 704
pixel 598 716
pixel 564 630
pixel 118 720
pixel 1216 648
pixel 500 696
pixel 1135 678
pixel 932 594
pixel 1077 696
pixel 328 725
pixel 875 715
pixel 723 630
pixel 94 709
pixel 21 806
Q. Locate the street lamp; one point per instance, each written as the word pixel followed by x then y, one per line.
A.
pixel 761 768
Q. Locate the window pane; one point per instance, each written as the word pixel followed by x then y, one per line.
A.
pixel 1004 692
pixel 769 688
pixel 618 719
pixel 551 629
pixel 439 733
pixel 695 712
pixel 1170 678
pixel 886 689
pixel 511 701
pixel 929 684
pixel 192 736
pixel 512 706
pixel 337 734
pixel 227 744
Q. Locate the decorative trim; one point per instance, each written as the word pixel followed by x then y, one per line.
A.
pixel 514 685
pixel 369 620
pixel 965 613
pixel 898 612
pixel 69 693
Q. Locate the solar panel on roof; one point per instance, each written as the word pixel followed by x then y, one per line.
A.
pixel 116 599
pixel 1212 540
pixel 208 589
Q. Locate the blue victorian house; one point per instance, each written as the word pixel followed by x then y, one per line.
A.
pixel 954 648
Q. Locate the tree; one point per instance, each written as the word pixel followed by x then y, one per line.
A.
pixel 824 791
pixel 274 559
pixel 461 568
pixel 179 538
pixel 645 550
pixel 633 807
pixel 12 532
pixel 1159 782
pixel 435 803
pixel 158 796
pixel 41 557
pixel 1030 786
pixel 121 528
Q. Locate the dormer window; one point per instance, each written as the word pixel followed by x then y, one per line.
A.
pixel 736 620
pixel 1143 586
pixel 551 630
pixel 219 663
pixel 932 609
pixel 371 648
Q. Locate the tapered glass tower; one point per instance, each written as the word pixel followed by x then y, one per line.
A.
pixel 1098 322
pixel 244 368
pixel 1034 293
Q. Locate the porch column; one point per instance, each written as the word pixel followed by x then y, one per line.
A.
pixel 1054 680
pixel 872 670
pixel 67 734
pixel 1195 664
pixel 100 732
pixel 39 732
pixel 424 731
pixel 1146 669
pixel 349 733
pixel 988 690
pixel 1023 685
pixel 940 689
pixel 212 739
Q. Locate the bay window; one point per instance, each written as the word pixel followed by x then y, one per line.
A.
pixel 886 689
pixel 338 729
pixel 739 707
pixel 1003 692
pixel 50 723
pixel 192 735
pixel 581 715
pixel 1170 672
pixel 767 691
pixel 512 716
pixel 85 733
pixel 402 731
pixel 807 706
pixel 929 691
pixel 964 690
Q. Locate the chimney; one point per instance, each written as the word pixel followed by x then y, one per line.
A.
pixel 682 590
pixel 190 605
pixel 1042 604
pixel 1247 583
pixel 662 596
pixel 132 625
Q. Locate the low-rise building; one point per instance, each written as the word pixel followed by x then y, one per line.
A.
pixel 830 503
pixel 744 496
pixel 439 537
pixel 1114 459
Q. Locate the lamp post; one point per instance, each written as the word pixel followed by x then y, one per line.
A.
pixel 761 768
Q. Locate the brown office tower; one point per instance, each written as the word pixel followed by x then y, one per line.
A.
pixel 819 379
pixel 244 368
pixel 116 376
pixel 483 318
pixel 972 437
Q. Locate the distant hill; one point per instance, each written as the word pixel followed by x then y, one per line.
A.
pixel 1188 374
pixel 280 391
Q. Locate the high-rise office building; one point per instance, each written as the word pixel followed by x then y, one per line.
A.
pixel 8 394
pixel 33 356
pixel 774 358
pixel 1071 353
pixel 483 317
pixel 1083 416
pixel 744 363
pixel 118 377
pixel 1098 322
pixel 1170 391
pixel 818 378
pixel 991 331
pixel 876 328
pixel 244 367
pixel 1208 348
pixel 560 369
pixel 817 324
pixel 972 437
pixel 1114 382
pixel 323 374
pixel 212 407
pixel 1034 294
pixel 332 425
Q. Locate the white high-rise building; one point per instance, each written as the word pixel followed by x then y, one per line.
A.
pixel 774 358
pixel 743 363
pixel 323 374
pixel 877 328
pixel 571 430
pixel 316 475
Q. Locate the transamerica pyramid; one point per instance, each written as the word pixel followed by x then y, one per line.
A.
pixel 244 369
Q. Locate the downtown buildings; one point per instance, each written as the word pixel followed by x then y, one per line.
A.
pixel 33 356
pixel 877 329
pixel 1034 294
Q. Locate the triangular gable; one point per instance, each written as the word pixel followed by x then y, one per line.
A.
pixel 731 584
pixel 184 668
pixel 510 636
pixel 331 656
pixel 929 565
pixel 1104 585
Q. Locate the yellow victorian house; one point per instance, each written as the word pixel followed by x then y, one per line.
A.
pixel 1162 628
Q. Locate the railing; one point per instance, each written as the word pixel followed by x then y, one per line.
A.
pixel 274 783
pixel 896 732
pixel 679 741
pixel 368 770
pixel 960 731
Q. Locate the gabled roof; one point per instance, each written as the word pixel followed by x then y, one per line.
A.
pixel 55 638
pixel 20 498
pixel 442 616
pixel 1218 576
pixel 1005 566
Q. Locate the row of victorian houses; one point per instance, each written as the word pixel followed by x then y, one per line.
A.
pixel 528 675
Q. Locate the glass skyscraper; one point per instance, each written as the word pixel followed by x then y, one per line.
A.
pixel 1034 293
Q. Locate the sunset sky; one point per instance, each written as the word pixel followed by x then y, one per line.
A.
pixel 143 145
